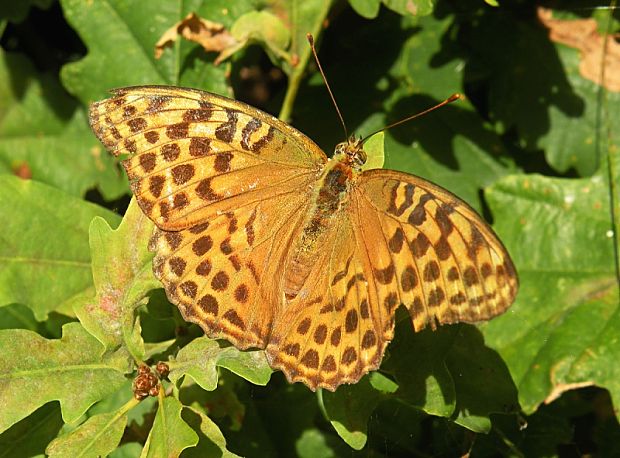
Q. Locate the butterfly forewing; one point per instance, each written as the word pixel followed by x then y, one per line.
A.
pixel 188 149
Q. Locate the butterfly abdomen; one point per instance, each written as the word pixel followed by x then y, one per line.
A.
pixel 329 197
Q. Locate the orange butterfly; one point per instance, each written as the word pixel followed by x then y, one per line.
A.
pixel 265 242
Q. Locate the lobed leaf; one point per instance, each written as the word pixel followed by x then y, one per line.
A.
pixel 44 256
pixel 97 436
pixel 349 408
pixel 262 27
pixel 17 316
pixel 47 137
pixel 370 8
pixel 30 436
pixel 72 370
pixel 451 146
pixel 211 441
pixel 170 434
pixel 199 359
pixel 123 276
pixel 366 8
pixel 562 331
pixel 115 36
pixel 443 373
pixel 571 141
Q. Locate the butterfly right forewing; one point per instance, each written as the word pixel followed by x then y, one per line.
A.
pixel 431 251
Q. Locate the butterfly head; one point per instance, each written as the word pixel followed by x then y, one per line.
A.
pixel 351 152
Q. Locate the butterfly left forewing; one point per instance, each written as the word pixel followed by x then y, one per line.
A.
pixel 431 251
pixel 189 149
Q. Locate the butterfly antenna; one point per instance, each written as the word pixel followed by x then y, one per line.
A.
pixel 450 99
pixel 318 63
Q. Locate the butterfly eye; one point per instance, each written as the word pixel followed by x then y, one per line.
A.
pixel 341 148
pixel 360 157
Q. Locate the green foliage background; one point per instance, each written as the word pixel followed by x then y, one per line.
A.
pixel 533 147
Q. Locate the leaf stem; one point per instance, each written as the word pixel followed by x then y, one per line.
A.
pixel 298 71
pixel 126 407
pixel 613 159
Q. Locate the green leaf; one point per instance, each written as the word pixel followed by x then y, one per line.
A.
pixel 123 276
pixel 422 70
pixel 17 11
pixel 366 8
pixel 44 256
pixel 446 376
pixel 115 35
pixel 17 316
pixel 249 432
pixel 264 28
pixel 423 377
pixel 97 436
pixel 571 141
pixel 127 450
pixel 349 408
pixel 451 146
pixel 316 443
pixel 453 159
pixel 222 403
pixel 374 149
pixel 474 366
pixel 200 358
pixel 34 371
pixel 539 97
pixel 170 435
pixel 562 330
pixel 211 441
pixel 370 8
pixel 301 17
pixel 44 134
pixel 30 436
pixel 410 7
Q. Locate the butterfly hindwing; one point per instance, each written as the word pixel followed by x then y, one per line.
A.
pixel 333 332
pixel 224 274
pixel 399 240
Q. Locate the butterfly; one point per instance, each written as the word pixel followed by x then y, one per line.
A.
pixel 264 241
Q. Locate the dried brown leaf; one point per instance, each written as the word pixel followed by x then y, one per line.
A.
pixel 596 51
pixel 212 36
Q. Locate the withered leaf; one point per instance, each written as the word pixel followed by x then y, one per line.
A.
pixel 597 52
pixel 212 36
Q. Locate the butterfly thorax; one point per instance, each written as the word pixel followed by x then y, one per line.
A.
pixel 329 199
